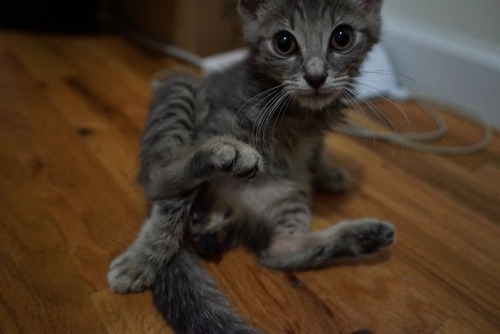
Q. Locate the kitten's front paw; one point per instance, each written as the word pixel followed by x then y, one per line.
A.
pixel 127 275
pixel 240 160
pixel 234 157
pixel 366 236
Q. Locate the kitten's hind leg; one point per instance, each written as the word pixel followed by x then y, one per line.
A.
pixel 158 241
pixel 332 178
pixel 308 250
pixel 326 175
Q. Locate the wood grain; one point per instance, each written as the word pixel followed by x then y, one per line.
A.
pixel 71 112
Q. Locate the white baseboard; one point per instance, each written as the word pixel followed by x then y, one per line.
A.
pixel 449 68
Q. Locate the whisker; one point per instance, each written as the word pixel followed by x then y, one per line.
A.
pixel 411 134
pixel 281 106
pixel 262 122
pixel 393 102
pixel 359 131
pixel 362 112
pixel 261 96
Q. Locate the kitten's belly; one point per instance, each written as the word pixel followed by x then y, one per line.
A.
pixel 258 196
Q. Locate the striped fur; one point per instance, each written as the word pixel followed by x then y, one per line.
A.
pixel 232 160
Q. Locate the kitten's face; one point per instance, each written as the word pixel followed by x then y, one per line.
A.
pixel 312 47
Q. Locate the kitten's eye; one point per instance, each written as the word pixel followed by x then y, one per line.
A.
pixel 342 38
pixel 284 43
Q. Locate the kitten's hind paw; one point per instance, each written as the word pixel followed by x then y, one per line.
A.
pixel 365 236
pixel 126 275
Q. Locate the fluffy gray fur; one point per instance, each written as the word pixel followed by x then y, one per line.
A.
pixel 232 160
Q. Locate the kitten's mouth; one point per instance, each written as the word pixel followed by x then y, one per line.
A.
pixel 315 98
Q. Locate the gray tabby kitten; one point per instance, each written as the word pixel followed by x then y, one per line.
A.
pixel 232 160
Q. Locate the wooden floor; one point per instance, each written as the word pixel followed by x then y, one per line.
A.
pixel 71 113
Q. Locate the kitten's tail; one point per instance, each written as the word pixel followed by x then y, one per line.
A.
pixel 189 300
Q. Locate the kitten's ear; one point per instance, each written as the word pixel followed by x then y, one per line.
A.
pixel 249 8
pixel 373 5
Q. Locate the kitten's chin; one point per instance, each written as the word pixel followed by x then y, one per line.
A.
pixel 315 101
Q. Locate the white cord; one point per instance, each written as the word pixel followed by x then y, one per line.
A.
pixel 159 46
pixel 415 140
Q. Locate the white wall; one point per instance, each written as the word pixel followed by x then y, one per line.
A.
pixel 478 19
pixel 450 49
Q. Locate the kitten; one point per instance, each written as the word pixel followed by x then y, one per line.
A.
pixel 232 159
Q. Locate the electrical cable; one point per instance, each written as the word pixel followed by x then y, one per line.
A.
pixel 416 141
pixel 159 46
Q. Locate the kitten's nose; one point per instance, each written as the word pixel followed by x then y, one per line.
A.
pixel 315 81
